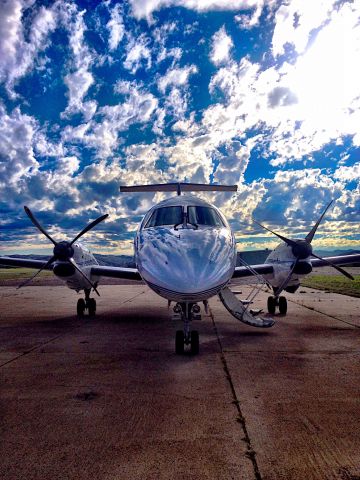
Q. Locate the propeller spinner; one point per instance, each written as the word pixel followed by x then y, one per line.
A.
pixel 63 251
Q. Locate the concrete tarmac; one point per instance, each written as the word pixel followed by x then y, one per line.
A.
pixel 107 398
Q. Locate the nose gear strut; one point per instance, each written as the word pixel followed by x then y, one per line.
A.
pixel 186 312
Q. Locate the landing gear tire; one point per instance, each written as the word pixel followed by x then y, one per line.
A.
pixel 179 342
pixel 92 306
pixel 282 305
pixel 194 339
pixel 271 305
pixel 80 307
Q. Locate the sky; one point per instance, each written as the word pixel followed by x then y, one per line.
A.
pixel 264 94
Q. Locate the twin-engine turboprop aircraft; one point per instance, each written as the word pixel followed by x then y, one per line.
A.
pixel 185 251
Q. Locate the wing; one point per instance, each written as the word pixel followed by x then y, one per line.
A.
pixel 262 269
pixel 338 260
pixel 116 272
pixel 267 268
pixel 96 270
pixel 23 262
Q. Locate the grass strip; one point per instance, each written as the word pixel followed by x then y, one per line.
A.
pixel 334 284
pixel 21 273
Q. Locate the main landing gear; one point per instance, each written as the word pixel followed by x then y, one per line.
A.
pixel 187 312
pixel 274 302
pixel 88 304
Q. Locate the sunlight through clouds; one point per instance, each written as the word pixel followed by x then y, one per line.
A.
pixel 326 78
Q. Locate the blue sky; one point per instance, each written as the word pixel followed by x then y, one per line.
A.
pixel 264 94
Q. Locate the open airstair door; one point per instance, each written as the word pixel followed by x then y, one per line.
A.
pixel 240 310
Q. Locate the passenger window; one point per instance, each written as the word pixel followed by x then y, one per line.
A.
pixel 165 216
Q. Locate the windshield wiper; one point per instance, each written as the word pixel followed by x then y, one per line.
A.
pixel 195 225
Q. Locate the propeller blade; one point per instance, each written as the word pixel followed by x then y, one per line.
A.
pixel 288 241
pixel 339 269
pixel 72 261
pixel 287 279
pixel 37 224
pixel 312 232
pixel 26 282
pixel 89 227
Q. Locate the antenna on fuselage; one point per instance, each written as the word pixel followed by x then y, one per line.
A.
pixel 179 187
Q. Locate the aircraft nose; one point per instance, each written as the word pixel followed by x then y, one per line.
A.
pixel 187 262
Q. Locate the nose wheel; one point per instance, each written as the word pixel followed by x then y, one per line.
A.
pixel 274 302
pixel 187 312
pixel 192 340
pixel 88 304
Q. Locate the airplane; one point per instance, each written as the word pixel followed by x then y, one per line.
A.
pixel 185 251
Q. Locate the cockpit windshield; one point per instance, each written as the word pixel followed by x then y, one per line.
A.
pixel 166 216
pixel 196 215
pixel 204 216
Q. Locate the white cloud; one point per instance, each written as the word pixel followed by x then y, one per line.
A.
pixel 138 108
pixel 45 147
pixel 176 77
pixel 17 56
pixel 78 84
pixel 296 20
pixel 176 103
pixel 68 165
pixel 190 159
pixel 186 126
pixel 10 34
pixel 138 54
pixel 248 21
pixel 348 174
pixel 161 35
pixel 116 27
pixel 103 135
pixel 145 8
pixel 17 158
pixel 174 83
pixel 233 165
pixel 304 105
pixel 221 46
pixel 80 78
pixel 124 86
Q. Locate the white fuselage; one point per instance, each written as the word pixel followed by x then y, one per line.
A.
pixel 282 259
pixel 73 279
pixel 190 259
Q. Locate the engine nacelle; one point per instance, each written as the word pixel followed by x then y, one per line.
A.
pixel 63 269
pixel 303 268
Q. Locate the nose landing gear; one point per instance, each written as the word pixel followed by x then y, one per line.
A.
pixel 274 302
pixel 187 312
pixel 88 304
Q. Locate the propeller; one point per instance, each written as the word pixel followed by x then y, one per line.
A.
pixel 302 249
pixel 64 250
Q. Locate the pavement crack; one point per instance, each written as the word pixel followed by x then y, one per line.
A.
pixel 132 298
pixel 23 354
pixel 323 313
pixel 250 453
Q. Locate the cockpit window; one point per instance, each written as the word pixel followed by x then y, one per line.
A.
pixel 204 216
pixel 165 216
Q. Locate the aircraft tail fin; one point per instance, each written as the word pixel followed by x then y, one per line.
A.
pixel 179 188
